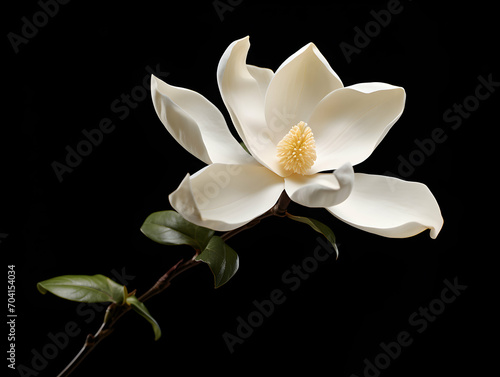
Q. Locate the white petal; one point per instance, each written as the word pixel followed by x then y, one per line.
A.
pixel 349 123
pixel 225 197
pixel 196 124
pixel 297 87
pixel 390 207
pixel 321 190
pixel 263 76
pixel 243 89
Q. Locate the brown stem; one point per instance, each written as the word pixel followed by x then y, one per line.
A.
pixel 114 312
pixel 93 340
pixel 164 282
pixel 281 205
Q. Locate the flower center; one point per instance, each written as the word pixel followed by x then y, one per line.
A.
pixel 297 150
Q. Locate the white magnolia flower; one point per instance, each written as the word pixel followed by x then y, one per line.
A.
pixel 296 123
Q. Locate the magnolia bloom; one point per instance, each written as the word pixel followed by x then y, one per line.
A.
pixel 299 124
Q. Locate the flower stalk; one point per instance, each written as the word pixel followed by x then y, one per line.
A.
pixel 115 312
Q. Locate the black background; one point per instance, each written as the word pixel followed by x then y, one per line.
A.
pixel 64 80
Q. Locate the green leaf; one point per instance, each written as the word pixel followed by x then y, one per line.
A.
pixel 170 228
pixel 85 288
pixel 140 308
pixel 222 260
pixel 319 227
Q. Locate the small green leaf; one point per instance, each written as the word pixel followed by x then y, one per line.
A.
pixel 140 308
pixel 245 147
pixel 85 288
pixel 170 228
pixel 319 227
pixel 222 260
